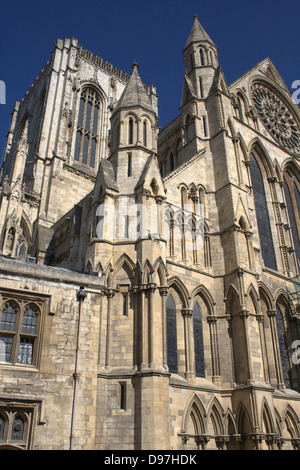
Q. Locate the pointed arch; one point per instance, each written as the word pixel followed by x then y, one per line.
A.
pixel 99 268
pixel 230 423
pixel 266 295
pixel 232 296
pixel 253 295
pixel 256 147
pixel 126 263
pixel 244 425
pixel 291 421
pixel 194 416
pixel 147 272
pixel 267 422
pixel 89 266
pixel 181 290
pixel 215 413
pixel 160 271
pixel 204 293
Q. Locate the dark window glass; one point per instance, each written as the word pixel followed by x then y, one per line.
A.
pixel 171 335
pixel 93 153
pixel 172 162
pixel 29 321
pixel 77 145
pixel 17 432
pixel 282 347
pixel 198 341
pixel 2 424
pixel 291 207
pixel 130 131
pixel 87 127
pixel 262 215
pixel 8 318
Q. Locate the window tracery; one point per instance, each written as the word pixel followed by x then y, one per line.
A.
pixel 262 215
pixel 87 137
pixel 20 324
pixel 277 117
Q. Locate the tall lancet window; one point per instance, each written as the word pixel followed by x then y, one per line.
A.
pixel 172 359
pixel 262 215
pixel 198 341
pixel 292 197
pixel 145 133
pixel 87 136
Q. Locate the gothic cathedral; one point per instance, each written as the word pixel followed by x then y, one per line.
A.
pixel 149 278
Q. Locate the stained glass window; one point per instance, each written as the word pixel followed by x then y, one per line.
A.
pixel 282 348
pixel 198 341
pixel 292 198
pixel 172 359
pixel 262 215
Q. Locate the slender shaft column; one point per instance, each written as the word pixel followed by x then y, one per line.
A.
pixel 151 288
pixel 109 294
pixel 187 315
pixel 212 321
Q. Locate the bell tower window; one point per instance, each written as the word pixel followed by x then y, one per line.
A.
pixel 87 136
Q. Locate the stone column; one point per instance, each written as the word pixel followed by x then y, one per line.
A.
pixel 187 315
pixel 164 293
pixel 212 321
pixel 109 294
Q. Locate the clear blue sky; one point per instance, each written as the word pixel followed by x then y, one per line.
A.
pixel 153 33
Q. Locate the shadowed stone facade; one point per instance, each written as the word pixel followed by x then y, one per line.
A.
pixel 149 279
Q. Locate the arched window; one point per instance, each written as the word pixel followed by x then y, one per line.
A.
pixel 292 197
pixel 198 341
pixel 262 215
pixel 202 62
pixel 282 347
pixel 172 163
pixel 2 425
pixel 240 109
pixel 18 333
pixel 17 432
pixel 172 359
pixel 87 136
pixel 130 131
pixel 145 133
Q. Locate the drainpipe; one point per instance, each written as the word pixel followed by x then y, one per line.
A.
pixel 81 295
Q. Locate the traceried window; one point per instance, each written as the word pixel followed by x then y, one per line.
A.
pixel 198 341
pixel 262 215
pixel 283 347
pixel 19 332
pixel 171 335
pixel 87 136
pixel 15 426
pixel 292 197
